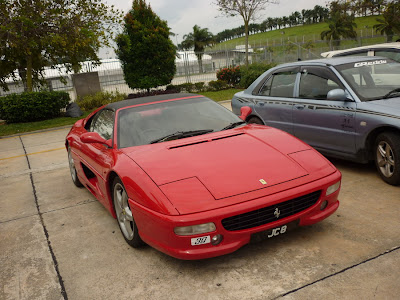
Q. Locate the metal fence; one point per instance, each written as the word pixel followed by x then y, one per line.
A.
pixel 191 69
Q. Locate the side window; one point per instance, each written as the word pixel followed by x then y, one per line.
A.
pixel 395 55
pixel 103 123
pixel 280 84
pixel 316 82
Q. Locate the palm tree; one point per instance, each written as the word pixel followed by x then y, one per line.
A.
pixel 390 24
pixel 309 45
pixel 298 17
pixel 384 27
pixel 198 40
pixel 340 26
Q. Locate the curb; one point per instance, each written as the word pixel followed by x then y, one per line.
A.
pixel 36 131
pixel 224 101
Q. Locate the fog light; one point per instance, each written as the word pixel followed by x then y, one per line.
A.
pixel 216 239
pixel 324 205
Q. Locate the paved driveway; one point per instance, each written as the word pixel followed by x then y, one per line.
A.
pixel 58 242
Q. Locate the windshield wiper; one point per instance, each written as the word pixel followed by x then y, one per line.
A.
pixel 233 125
pixel 392 93
pixel 181 134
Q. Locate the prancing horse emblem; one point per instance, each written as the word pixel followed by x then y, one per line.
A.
pixel 262 181
pixel 277 213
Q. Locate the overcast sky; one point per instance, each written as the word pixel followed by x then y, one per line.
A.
pixel 182 15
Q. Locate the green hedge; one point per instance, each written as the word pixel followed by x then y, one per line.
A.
pixel 91 102
pixel 32 106
pixel 252 72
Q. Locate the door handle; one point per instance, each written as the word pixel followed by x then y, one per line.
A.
pixel 261 103
pixel 300 106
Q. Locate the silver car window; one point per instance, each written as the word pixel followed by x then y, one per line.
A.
pixel 280 84
pixel 316 82
pixel 393 54
pixel 372 79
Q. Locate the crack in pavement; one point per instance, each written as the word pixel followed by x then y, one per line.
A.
pixel 50 211
pixel 71 206
pixel 36 170
pixel 339 272
pixel 46 233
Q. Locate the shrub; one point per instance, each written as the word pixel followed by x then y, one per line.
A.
pixel 172 87
pixel 32 106
pixel 217 85
pixel 93 101
pixel 188 87
pixel 231 75
pixel 199 86
pixel 252 72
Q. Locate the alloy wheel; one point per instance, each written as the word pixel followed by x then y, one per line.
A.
pixel 123 211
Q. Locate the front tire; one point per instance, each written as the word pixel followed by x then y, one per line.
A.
pixel 125 219
pixel 255 120
pixel 387 157
pixel 72 169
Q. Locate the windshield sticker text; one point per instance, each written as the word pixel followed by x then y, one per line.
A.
pixel 370 63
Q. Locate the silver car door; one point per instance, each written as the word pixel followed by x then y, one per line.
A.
pixel 273 100
pixel 325 124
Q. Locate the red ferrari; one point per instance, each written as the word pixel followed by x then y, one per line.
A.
pixel 188 177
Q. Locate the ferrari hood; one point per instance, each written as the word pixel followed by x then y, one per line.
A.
pixel 224 164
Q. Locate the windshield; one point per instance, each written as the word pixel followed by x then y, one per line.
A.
pixel 373 79
pixel 165 121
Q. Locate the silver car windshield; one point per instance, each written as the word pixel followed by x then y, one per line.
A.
pixel 373 79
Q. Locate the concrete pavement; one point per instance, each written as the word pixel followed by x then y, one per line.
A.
pixel 58 242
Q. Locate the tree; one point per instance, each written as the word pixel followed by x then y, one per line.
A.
pixel 341 25
pixel 247 9
pixel 40 33
pixel 197 40
pixel 145 49
pixel 385 27
pixel 392 14
pixel 390 24
pixel 309 45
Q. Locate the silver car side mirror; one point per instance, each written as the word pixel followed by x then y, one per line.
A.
pixel 338 95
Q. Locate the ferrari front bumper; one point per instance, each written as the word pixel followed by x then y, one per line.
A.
pixel 157 229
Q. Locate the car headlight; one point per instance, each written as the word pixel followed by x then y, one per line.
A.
pixel 333 188
pixel 195 229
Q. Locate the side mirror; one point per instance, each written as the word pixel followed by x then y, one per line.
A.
pixel 93 138
pixel 245 111
pixel 337 95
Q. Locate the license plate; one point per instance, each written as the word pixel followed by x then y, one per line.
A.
pixel 201 240
pixel 263 235
pixel 277 231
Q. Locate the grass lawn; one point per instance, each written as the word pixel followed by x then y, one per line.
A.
pixel 221 95
pixel 304 32
pixel 16 128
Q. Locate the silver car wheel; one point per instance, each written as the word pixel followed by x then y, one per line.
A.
pixel 385 159
pixel 123 211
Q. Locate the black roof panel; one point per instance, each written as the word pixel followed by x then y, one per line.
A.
pixel 148 99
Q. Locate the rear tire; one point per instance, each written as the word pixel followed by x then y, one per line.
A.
pixel 387 157
pixel 125 218
pixel 255 120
